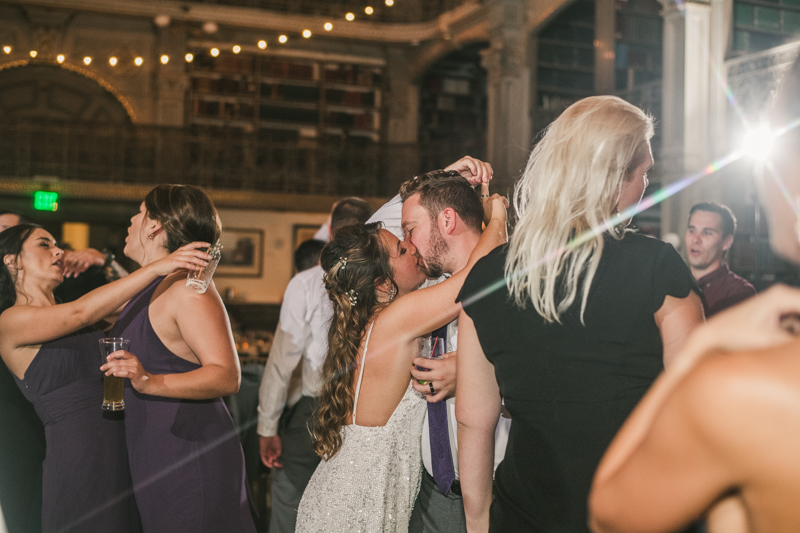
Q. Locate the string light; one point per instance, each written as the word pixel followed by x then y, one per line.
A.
pixel 328 26
pixel 138 61
pixel 350 17
pixel 282 39
pixel 237 49
pixel 87 61
pixel 33 53
pixel 60 58
pixel 189 58
pixel 306 33
pixel 7 49
pixel 112 61
pixel 164 59
pixel 214 52
pixel 368 10
pixel 390 3
pixel 262 44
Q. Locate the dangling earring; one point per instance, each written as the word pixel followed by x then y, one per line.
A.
pixel 619 229
pixel 150 237
pixel 392 294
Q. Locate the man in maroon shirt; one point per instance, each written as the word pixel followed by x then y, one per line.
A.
pixel 708 237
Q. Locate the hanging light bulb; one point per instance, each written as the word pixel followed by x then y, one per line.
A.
pixel 7 49
pixel 328 26
pixel 368 10
pixel 164 59
pixel 390 3
pixel 138 61
pixel 189 58
pixel 350 17
pixel 236 49
pixel 112 61
pixel 60 58
pixel 215 52
pixel 262 44
pixel 34 53
pixel 306 33
pixel 87 61
pixel 282 39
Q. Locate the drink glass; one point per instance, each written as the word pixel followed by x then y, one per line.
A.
pixel 425 349
pixel 198 280
pixel 113 387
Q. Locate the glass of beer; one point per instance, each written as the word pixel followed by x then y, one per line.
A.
pixel 113 387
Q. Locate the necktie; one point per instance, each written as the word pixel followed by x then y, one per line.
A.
pixel 441 457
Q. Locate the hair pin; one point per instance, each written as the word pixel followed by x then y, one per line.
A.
pixel 353 296
pixel 342 263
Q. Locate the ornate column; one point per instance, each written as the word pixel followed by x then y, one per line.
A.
pixel 508 91
pixel 604 53
pixel 686 104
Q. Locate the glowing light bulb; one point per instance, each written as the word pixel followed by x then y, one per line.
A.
pixel 328 26
pixel 7 49
pixel 236 49
pixel 758 143
pixel 368 10
pixel 350 17
pixel 112 61
pixel 60 58
pixel 282 39
pixel 306 33
pixel 189 58
pixel 164 59
pixel 138 61
pixel 34 53
pixel 215 52
pixel 390 3
pixel 87 61
pixel 262 44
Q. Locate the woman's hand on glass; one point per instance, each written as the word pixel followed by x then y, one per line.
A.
pixel 124 364
pixel 189 257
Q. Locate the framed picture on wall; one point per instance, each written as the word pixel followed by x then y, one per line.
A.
pixel 242 252
pixel 301 233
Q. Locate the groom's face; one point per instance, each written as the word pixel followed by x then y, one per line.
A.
pixel 424 234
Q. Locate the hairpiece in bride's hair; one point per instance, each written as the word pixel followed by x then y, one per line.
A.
pixel 341 263
pixel 353 296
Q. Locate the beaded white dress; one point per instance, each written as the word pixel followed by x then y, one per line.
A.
pixel 370 485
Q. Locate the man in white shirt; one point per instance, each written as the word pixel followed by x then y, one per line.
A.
pixel 302 336
pixel 442 254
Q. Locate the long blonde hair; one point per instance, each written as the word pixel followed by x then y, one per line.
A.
pixel 572 184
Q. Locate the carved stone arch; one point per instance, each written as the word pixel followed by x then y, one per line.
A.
pixel 53 92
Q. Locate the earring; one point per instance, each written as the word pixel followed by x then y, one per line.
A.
pixel 392 294
pixel 150 237
pixel 619 229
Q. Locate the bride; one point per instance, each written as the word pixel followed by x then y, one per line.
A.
pixel 370 473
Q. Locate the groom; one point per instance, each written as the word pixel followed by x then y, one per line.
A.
pixel 442 215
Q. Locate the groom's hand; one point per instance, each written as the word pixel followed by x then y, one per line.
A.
pixel 474 170
pixel 441 373
pixel 270 448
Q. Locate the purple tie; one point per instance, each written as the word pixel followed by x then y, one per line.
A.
pixel 441 457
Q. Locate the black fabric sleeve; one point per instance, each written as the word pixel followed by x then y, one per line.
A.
pixel 485 278
pixel 671 277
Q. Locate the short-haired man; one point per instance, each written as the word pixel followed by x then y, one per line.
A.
pixel 708 237
pixel 442 215
pixel 300 340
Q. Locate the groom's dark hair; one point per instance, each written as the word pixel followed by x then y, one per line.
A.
pixel 440 189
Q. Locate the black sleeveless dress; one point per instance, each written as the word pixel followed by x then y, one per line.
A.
pixel 570 386
pixel 86 483
pixel 186 459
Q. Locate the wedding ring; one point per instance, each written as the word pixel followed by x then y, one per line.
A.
pixel 431 385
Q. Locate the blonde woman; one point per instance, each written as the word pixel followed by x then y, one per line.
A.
pixel 582 326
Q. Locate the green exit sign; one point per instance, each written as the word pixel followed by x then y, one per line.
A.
pixel 45 201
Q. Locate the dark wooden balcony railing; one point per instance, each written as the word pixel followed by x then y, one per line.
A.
pixel 135 154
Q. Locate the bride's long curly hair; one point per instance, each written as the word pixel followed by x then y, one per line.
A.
pixel 355 262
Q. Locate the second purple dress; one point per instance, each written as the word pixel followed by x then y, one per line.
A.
pixel 186 460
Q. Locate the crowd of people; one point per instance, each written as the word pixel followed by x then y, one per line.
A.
pixel 429 373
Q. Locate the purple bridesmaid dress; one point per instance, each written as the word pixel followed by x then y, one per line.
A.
pixel 86 480
pixel 186 460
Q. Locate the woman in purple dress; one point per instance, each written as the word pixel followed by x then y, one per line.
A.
pixel 53 353
pixel 186 461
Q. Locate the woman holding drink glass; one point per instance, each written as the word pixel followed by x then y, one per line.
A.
pixel 52 350
pixel 186 461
